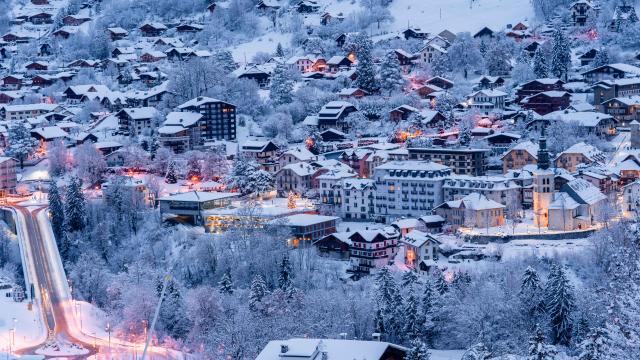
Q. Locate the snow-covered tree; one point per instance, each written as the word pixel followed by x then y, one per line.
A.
pixel 418 351
pixel 465 127
pixel 478 351
pixel 56 209
pixel 57 154
pixel 285 277
pixel 412 323
pixel 391 78
pixel 464 54
pixel 440 65
pixel 593 347
pixel 20 143
pixel 602 57
pixel 498 58
pixel 75 212
pixel 560 304
pixel 257 291
pixel 540 68
pixel 281 85
pixel 365 69
pixel 560 54
pixel 429 311
pixel 538 350
pixel 531 292
pixel 90 163
pixel 225 285
pixel 171 177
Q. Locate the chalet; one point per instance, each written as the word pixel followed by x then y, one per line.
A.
pixel 421 249
pixel 264 153
pixel 43 80
pixel 26 111
pixel 268 6
pixel 372 249
pixel 502 140
pixel 48 133
pixel 487 100
pixel 136 121
pixel 577 154
pixel 623 109
pixel 75 20
pixel 65 32
pixel 181 131
pixel 295 155
pixel 580 11
pixel 328 18
pixel 296 178
pixel 474 211
pixel 13 82
pixel 122 51
pixel 41 18
pixel 336 63
pixel 153 29
pixel 316 349
pixel 259 73
pixel 307 6
pixel 151 97
pixel 340 40
pixel 332 114
pixel 531 48
pixel 440 82
pixel 546 102
pixel 587 58
pixel 80 93
pixel 81 63
pixel 17 37
pixel 590 122
pixel 189 28
pixel 428 91
pixel 606 90
pixel 611 71
pixel 404 58
pixel 152 56
pixel 537 86
pixel 37 66
pixel 487 82
pixel 429 52
pixel 519 156
pixel 349 93
pixel 9 96
pixel 301 63
pixel 117 33
pixel 415 33
pixel 484 34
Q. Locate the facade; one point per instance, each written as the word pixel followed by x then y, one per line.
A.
pixel 408 188
pixel 611 72
pixel 137 121
pixel 265 153
pixel 191 206
pixel 577 154
pixel 296 177
pixel 462 161
pixel 372 249
pixel 631 199
pixel 537 86
pixel 420 247
pixel 473 211
pixel 308 228
pixel 219 117
pixel 333 349
pixel 357 199
pixel 487 100
pixel 8 179
pixel 181 131
pixel 502 190
pixel 579 205
pixel 543 184
pixel 547 102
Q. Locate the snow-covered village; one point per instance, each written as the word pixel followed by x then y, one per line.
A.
pixel 320 179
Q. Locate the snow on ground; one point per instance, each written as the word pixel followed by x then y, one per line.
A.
pixel 243 53
pixel 457 15
pixel 61 348
pixel 28 323
pixel 446 354
pixel 38 172
pixel 523 248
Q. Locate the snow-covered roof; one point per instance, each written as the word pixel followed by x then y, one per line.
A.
pixel 418 238
pixel 50 132
pixel 199 196
pixel 308 219
pixel 562 201
pixel 300 152
pixel 182 118
pixel 626 68
pixel 413 165
pixel 300 169
pixel 584 192
pixel 584 118
pixel 200 100
pixel 528 146
pixel 141 113
pixel 477 201
pixel 589 151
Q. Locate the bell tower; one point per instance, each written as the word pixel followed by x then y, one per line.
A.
pixel 543 184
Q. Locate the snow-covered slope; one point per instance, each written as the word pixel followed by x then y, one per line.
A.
pixel 458 15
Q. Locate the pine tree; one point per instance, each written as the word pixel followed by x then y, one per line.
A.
pixel 429 311
pixel 365 70
pixel 409 279
pixel 538 350
pixel 594 346
pixel 389 303
pixel 441 65
pixel 224 60
pixel 225 285
pixel 56 209
pixel 261 181
pixel 257 291
pixel 171 177
pixel 281 86
pixel 540 67
pixel 193 166
pixel 440 283
pixel 560 303
pixel 412 327
pixel 391 78
pixel 560 54
pixel 285 278
pixel 531 292
pixel 279 50
pixel 418 351
pixel 75 210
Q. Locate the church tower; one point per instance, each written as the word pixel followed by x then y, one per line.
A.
pixel 543 184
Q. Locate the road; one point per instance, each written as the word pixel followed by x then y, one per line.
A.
pixel 56 304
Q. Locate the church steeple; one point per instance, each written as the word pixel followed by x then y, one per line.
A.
pixel 543 153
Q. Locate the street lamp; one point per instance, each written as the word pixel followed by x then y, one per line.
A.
pixel 108 329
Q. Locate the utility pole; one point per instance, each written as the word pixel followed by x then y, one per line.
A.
pixel 155 316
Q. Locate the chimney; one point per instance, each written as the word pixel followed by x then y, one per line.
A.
pixel 284 348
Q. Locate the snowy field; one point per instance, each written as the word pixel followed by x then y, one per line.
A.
pixel 28 323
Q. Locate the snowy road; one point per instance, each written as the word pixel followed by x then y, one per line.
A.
pixel 63 323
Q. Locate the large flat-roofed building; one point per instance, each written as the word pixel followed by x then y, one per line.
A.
pixel 307 228
pixel 218 117
pixel 408 188
pixel 463 161
pixel 189 206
